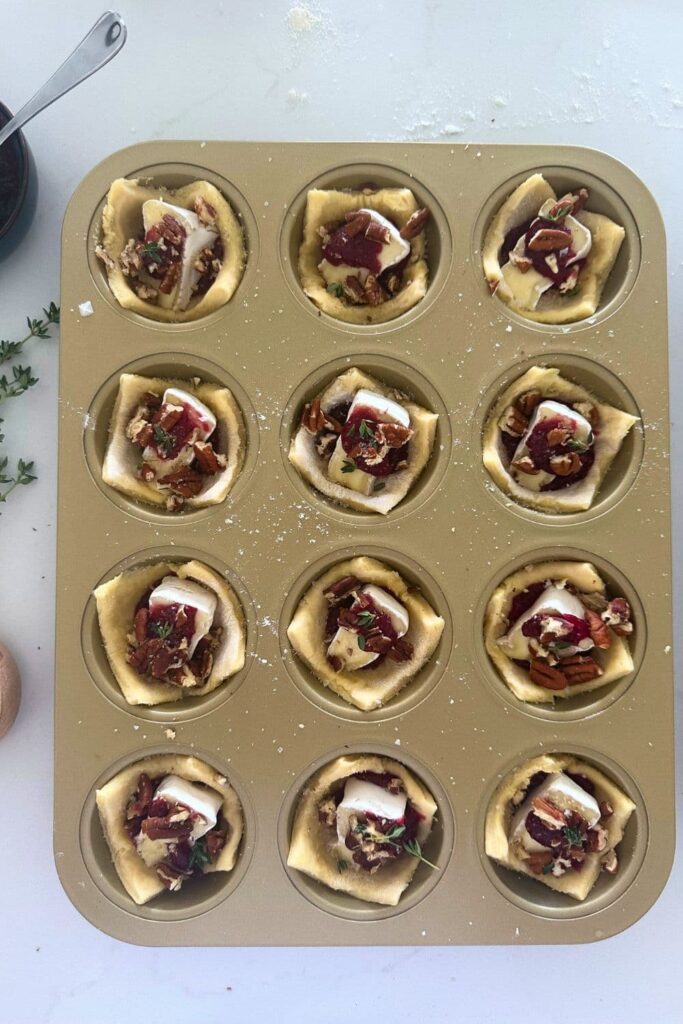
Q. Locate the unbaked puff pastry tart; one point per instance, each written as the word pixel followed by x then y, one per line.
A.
pixel 179 445
pixel 558 820
pixel 363 257
pixel 170 630
pixel 549 258
pixel 168 820
pixel 360 827
pixel 364 632
pixel 363 444
pixel 170 255
pixel 549 442
pixel 551 630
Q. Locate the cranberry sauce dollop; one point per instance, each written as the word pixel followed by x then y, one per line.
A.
pixel 355 251
pixel 359 442
pixel 178 430
pixel 534 627
pixel 541 452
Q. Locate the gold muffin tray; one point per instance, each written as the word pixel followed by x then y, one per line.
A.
pixel 456 726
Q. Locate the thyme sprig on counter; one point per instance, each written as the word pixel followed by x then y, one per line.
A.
pixel 16 383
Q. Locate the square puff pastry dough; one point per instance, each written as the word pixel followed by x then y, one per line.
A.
pixel 324 206
pixel 122 220
pixel 553 307
pixel 615 662
pixel 141 881
pixel 312 852
pixel 313 468
pixel 614 426
pixel 574 883
pixel 116 601
pixel 368 688
pixel 122 458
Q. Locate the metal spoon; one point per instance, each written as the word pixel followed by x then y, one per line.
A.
pixel 103 41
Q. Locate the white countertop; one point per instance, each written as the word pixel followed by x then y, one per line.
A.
pixel 606 75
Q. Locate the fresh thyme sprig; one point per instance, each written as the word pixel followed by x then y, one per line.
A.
pixel 36 329
pixel 15 384
pixel 199 855
pixel 415 850
pixel 393 838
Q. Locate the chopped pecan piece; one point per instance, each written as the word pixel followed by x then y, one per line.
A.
pixel 313 418
pixel 545 809
pixel 538 860
pixel 402 650
pixel 103 255
pixel 170 279
pixel 187 482
pixel 354 291
pixel 164 828
pixel 377 232
pixel 528 401
pixel 394 435
pixel 392 283
pixel 143 797
pixel 523 263
pixel 336 592
pixel 140 624
pixel 525 465
pixel 513 421
pixel 205 212
pixel 580 199
pixel 356 221
pixel 599 630
pixel 617 614
pixel 415 224
pixel 215 841
pixel 562 207
pixel 549 240
pixel 558 435
pixel 545 675
pixel 169 415
pixel 171 877
pixel 374 295
pixel 606 810
pixel 566 464
pixel 580 668
pixel 327 812
pixel 609 862
pixel 146 292
pixel 208 460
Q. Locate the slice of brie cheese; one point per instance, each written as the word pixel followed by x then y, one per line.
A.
pixel 383 409
pixel 198 236
pixel 528 287
pixel 391 253
pixel 367 798
pixel 565 794
pixel 553 598
pixel 341 470
pixel 173 590
pixel 389 606
pixel 344 646
pixel 198 799
pixel 548 410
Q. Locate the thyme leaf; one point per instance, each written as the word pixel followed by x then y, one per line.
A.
pixel 163 439
pixel 348 467
pixel 199 855
pixel 415 850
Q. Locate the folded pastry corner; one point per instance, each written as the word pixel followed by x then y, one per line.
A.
pixel 170 631
pixel 361 826
pixel 173 255
pixel 168 819
pixel 363 444
pixel 558 820
pixel 549 443
pixel 363 256
pixel 549 258
pixel 175 444
pixel 552 631
pixel 364 632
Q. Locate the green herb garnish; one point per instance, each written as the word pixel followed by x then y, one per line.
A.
pixel 547 869
pixel 562 210
pixel 342 865
pixel 20 380
pixel 161 629
pixel 572 835
pixel 415 850
pixel 335 289
pixel 163 439
pixel 199 855
pixel 381 838
pixel 152 251
pixel 348 467
pixel 361 641
pixel 366 431
pixel 366 618
pixel 378 485
pixel 574 445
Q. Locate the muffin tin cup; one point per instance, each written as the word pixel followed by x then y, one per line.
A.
pixel 457 726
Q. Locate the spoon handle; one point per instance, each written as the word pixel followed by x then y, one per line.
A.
pixel 103 41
